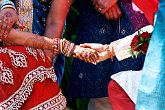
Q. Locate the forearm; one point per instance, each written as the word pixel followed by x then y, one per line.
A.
pixel 56 18
pixel 16 37
pixel 63 46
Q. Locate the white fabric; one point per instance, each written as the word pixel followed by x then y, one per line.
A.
pixel 122 46
pixel 129 81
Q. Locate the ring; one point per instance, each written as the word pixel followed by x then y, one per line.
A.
pixel 1 20
pixel 99 10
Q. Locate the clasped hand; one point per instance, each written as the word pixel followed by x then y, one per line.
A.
pixel 94 52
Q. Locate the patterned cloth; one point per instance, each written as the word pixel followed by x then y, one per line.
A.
pixel 151 94
pixel 91 81
pixel 28 81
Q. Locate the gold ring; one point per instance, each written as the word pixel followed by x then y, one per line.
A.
pixel 99 10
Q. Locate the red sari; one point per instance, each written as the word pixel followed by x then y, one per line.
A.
pixel 27 80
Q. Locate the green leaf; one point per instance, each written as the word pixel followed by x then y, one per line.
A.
pixel 132 53
pixel 141 39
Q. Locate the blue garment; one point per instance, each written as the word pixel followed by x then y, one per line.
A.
pixel 88 80
pixel 151 92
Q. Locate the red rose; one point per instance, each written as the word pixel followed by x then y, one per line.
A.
pixel 146 35
pixel 144 48
pixel 134 42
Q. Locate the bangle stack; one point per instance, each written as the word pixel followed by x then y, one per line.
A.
pixel 56 46
pixel 63 46
pixel 67 48
pixel 6 4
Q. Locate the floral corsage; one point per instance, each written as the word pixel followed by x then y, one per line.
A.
pixel 140 43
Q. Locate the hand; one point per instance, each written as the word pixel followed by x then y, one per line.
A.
pixel 86 54
pixel 8 17
pixel 103 5
pixel 113 13
pixel 104 51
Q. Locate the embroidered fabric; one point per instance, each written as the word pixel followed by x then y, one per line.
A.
pixel 56 103
pixel 26 81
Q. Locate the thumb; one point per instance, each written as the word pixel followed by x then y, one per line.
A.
pixel 20 25
pixel 85 45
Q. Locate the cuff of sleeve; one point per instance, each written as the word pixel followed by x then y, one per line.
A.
pixel 121 48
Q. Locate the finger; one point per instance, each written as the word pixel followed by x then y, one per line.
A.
pixel 94 58
pixel 85 45
pixel 7 30
pixel 79 56
pixel 88 57
pixel 110 14
pixel 103 11
pixel 107 15
pixel 114 12
pixel 20 25
pixel 119 11
pixel 1 32
pixel 3 27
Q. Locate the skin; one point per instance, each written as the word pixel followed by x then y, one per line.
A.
pixel 8 17
pixel 109 8
pixel 104 51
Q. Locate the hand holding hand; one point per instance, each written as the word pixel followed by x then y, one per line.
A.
pixel 104 51
pixel 86 54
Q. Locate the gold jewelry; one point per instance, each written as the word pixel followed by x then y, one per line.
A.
pixel 99 10
pixel 1 20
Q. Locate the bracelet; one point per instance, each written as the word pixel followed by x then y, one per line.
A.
pixel 67 48
pixel 6 2
pixel 55 47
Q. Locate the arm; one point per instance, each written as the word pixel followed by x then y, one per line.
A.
pixel 122 46
pixel 56 18
pixel 67 48
pixel 16 37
